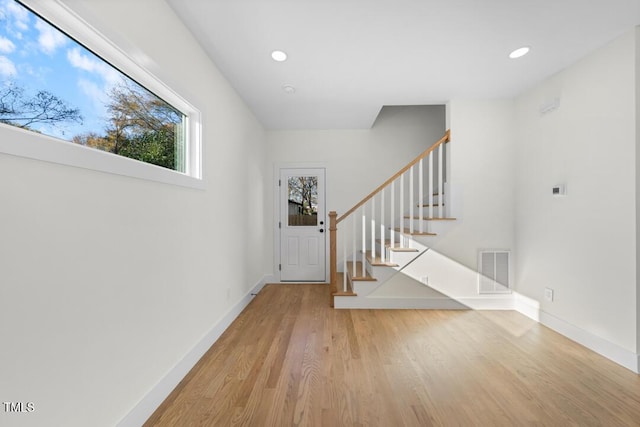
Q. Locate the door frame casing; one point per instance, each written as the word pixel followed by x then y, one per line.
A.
pixel 276 214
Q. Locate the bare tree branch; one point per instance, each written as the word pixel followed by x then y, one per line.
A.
pixel 44 107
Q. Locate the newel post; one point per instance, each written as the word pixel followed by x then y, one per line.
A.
pixel 333 261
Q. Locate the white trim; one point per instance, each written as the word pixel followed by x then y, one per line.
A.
pixel 276 282
pixel 350 302
pixel 527 306
pixel 276 213
pixel 28 144
pixel 23 143
pixel 619 355
pixel 357 302
pixel 152 400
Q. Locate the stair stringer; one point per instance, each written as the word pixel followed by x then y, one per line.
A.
pixel 449 285
pixel 400 257
pixel 368 296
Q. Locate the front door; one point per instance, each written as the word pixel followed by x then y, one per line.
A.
pixel 302 225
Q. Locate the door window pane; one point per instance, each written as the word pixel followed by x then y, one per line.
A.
pixel 303 200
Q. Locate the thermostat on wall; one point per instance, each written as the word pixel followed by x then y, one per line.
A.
pixel 559 190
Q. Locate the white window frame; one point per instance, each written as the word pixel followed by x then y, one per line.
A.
pixel 24 143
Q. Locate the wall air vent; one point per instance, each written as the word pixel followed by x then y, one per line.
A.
pixel 494 271
pixel 549 106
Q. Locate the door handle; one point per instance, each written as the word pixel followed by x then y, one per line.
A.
pixel 322 230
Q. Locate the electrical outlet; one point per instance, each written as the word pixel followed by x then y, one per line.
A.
pixel 548 294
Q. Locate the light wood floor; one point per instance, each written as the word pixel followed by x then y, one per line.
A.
pixel 290 360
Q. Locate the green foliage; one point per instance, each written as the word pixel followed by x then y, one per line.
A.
pixel 156 147
pixel 140 126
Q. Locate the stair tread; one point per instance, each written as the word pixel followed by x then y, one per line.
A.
pixel 340 291
pixel 415 232
pixel 435 205
pixel 426 218
pixel 377 262
pixel 404 250
pixel 387 244
pixel 366 278
pixel 344 294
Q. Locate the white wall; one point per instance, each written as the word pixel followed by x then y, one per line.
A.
pixel 637 195
pixel 106 282
pixel 481 179
pixel 583 246
pixel 357 161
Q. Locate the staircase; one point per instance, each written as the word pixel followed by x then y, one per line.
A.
pixel 380 250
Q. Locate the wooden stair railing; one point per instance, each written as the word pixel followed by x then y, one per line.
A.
pixel 370 231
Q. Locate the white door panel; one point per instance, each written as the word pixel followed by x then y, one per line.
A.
pixel 302 225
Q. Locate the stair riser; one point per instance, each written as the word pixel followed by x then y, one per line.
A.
pixel 426 226
pixel 399 239
pixel 364 288
pixel 390 257
pixel 381 273
pixel 425 198
pixel 403 258
pixel 397 257
pixel 433 226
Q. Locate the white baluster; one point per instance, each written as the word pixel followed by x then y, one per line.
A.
pixel 392 232
pixel 373 227
pixel 344 257
pixel 420 195
pixel 401 209
pixel 411 200
pixel 364 236
pixel 440 186
pixel 431 172
pixel 445 172
pixel 353 260
pixel 382 233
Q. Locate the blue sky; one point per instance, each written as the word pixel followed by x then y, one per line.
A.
pixel 36 56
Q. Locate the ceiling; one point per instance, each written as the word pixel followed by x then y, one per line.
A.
pixel 348 58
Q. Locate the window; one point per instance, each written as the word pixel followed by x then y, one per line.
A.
pixel 303 200
pixel 52 85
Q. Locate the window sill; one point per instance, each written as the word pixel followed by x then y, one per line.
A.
pixel 24 143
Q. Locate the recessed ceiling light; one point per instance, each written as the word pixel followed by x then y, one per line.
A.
pixel 279 55
pixel 289 89
pixel 519 52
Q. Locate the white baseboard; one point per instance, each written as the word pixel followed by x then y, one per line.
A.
pixel 363 302
pixel 152 400
pixel 619 355
pixel 527 306
pixel 396 303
